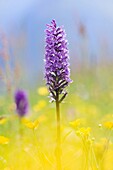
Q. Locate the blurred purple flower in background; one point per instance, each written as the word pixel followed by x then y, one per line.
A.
pixel 57 72
pixel 21 101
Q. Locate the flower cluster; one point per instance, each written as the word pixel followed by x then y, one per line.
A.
pixel 57 72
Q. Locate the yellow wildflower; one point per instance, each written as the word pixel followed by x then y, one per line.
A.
pixel 84 132
pixel 75 123
pixel 4 140
pixel 108 125
pixel 2 120
pixel 32 125
pixel 43 91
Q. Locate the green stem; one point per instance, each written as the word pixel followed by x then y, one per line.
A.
pixel 58 147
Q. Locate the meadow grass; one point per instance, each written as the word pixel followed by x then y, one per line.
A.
pixel 86 127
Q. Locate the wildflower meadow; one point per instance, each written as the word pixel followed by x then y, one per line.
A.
pixel 65 122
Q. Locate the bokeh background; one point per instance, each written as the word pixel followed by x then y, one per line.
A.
pixel 88 25
pixel 28 143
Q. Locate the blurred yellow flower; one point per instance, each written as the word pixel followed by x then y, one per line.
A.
pixel 2 120
pixel 32 125
pixel 108 125
pixel 75 123
pixel 4 140
pixel 43 91
pixel 40 105
pixel 84 132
